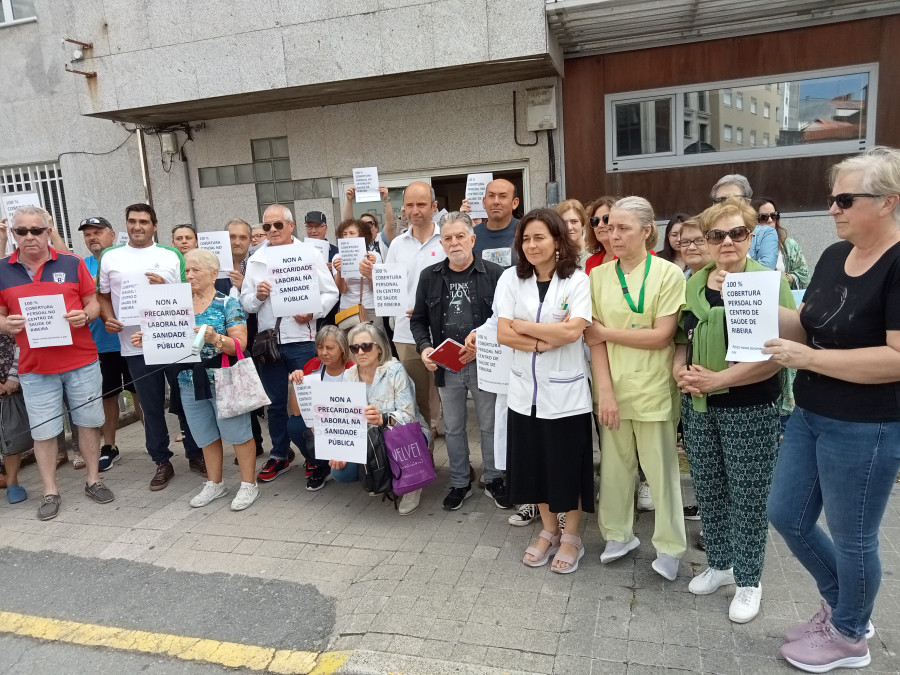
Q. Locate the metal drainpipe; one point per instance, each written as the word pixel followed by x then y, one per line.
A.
pixel 188 189
pixel 145 172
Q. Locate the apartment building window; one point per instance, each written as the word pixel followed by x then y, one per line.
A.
pixel 739 136
pixel 765 140
pixel 833 112
pixel 16 11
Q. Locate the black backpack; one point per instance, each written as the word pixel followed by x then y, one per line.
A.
pixel 376 475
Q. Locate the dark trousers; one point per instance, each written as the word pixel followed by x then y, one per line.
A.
pixel 294 356
pixel 150 385
pixel 303 438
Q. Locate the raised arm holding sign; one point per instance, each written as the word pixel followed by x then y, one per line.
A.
pixel 366 182
pixel 476 185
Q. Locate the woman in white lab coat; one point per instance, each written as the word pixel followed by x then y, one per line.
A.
pixel 542 315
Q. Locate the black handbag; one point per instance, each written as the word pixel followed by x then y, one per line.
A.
pixel 15 429
pixel 266 345
pixel 376 474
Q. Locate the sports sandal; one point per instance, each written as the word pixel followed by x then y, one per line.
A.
pixel 543 557
pixel 571 560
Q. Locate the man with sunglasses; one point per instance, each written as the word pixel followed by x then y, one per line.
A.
pixel 47 374
pixel 764 245
pixel 99 235
pixel 143 261
pixel 296 334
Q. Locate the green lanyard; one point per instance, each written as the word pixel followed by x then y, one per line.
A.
pixel 640 306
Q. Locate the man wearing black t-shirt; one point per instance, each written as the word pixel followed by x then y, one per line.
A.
pixel 453 298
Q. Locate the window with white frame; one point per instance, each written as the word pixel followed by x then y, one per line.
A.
pixel 739 136
pixel 822 112
pixel 765 139
pixel 46 180
pixel 16 11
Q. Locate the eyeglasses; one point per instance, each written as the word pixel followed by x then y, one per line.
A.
pixel 763 218
pixel 315 225
pixel 845 199
pixel 33 231
pixel 737 234
pixel 687 243
pixel 720 200
pixel 365 346
pixel 278 225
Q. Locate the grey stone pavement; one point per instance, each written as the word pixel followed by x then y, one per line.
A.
pixel 432 592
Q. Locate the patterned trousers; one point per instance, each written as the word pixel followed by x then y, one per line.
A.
pixel 732 453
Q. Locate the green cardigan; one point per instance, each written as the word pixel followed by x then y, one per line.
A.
pixel 710 335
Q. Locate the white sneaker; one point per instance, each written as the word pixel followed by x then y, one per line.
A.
pixel 666 566
pixel 409 502
pixel 616 549
pixel 745 605
pixel 524 516
pixel 710 580
pixel 645 499
pixel 246 495
pixel 209 492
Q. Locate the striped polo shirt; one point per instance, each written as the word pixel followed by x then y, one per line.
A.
pixel 63 274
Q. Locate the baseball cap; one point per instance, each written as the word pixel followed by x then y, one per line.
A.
pixel 315 217
pixel 94 222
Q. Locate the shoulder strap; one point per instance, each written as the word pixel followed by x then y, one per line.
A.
pixel 278 329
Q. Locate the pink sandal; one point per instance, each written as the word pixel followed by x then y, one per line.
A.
pixel 571 560
pixel 543 557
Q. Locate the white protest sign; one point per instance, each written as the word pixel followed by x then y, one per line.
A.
pixel 353 251
pixel 751 311
pixel 494 362
pixel 128 312
pixel 340 422
pixel 44 322
pixel 304 394
pixel 220 244
pixel 321 245
pixel 476 185
pixel 11 201
pixel 167 323
pixel 366 183
pixel 295 284
pixel 121 238
pixel 390 288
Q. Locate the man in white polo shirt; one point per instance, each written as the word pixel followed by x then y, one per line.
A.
pixel 142 260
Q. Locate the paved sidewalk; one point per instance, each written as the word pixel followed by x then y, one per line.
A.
pixel 437 592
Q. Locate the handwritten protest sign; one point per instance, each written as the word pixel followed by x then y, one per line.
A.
pixel 340 421
pixel 220 244
pixel 167 323
pixel 295 284
pixel 366 182
pixel 44 322
pixel 128 312
pixel 476 185
pixel 494 361
pixel 389 284
pixel 751 311
pixel 352 250
pixel 304 394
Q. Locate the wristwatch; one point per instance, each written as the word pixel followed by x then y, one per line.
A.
pixel 218 341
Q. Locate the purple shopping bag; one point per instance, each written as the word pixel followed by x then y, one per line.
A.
pixel 410 460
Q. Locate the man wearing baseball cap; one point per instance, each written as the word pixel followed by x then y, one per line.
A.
pixel 316 228
pixel 99 235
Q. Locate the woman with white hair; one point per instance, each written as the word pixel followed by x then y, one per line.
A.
pixel 764 244
pixel 841 449
pixel 226 329
pixel 636 301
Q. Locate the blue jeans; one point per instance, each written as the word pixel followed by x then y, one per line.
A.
pixel 453 402
pixel 849 469
pixel 294 356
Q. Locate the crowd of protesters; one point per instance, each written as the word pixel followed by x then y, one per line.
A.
pixel 605 334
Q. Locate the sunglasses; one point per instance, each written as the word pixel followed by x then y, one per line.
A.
pixel 595 220
pixel 93 221
pixel 737 234
pixel 278 225
pixel 845 199
pixel 763 218
pixel 34 231
pixel 721 200
pixel 687 243
pixel 365 346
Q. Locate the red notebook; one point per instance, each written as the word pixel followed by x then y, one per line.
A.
pixel 446 355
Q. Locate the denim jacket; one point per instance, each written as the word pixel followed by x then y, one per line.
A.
pixel 433 300
pixel 393 393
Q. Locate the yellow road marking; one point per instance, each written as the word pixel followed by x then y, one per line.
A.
pixel 231 654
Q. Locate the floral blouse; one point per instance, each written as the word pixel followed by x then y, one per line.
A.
pixel 223 313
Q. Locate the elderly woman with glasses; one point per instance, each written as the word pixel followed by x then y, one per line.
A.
pixel 764 246
pixel 730 416
pixel 390 392
pixel 841 450
pixel 694 248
